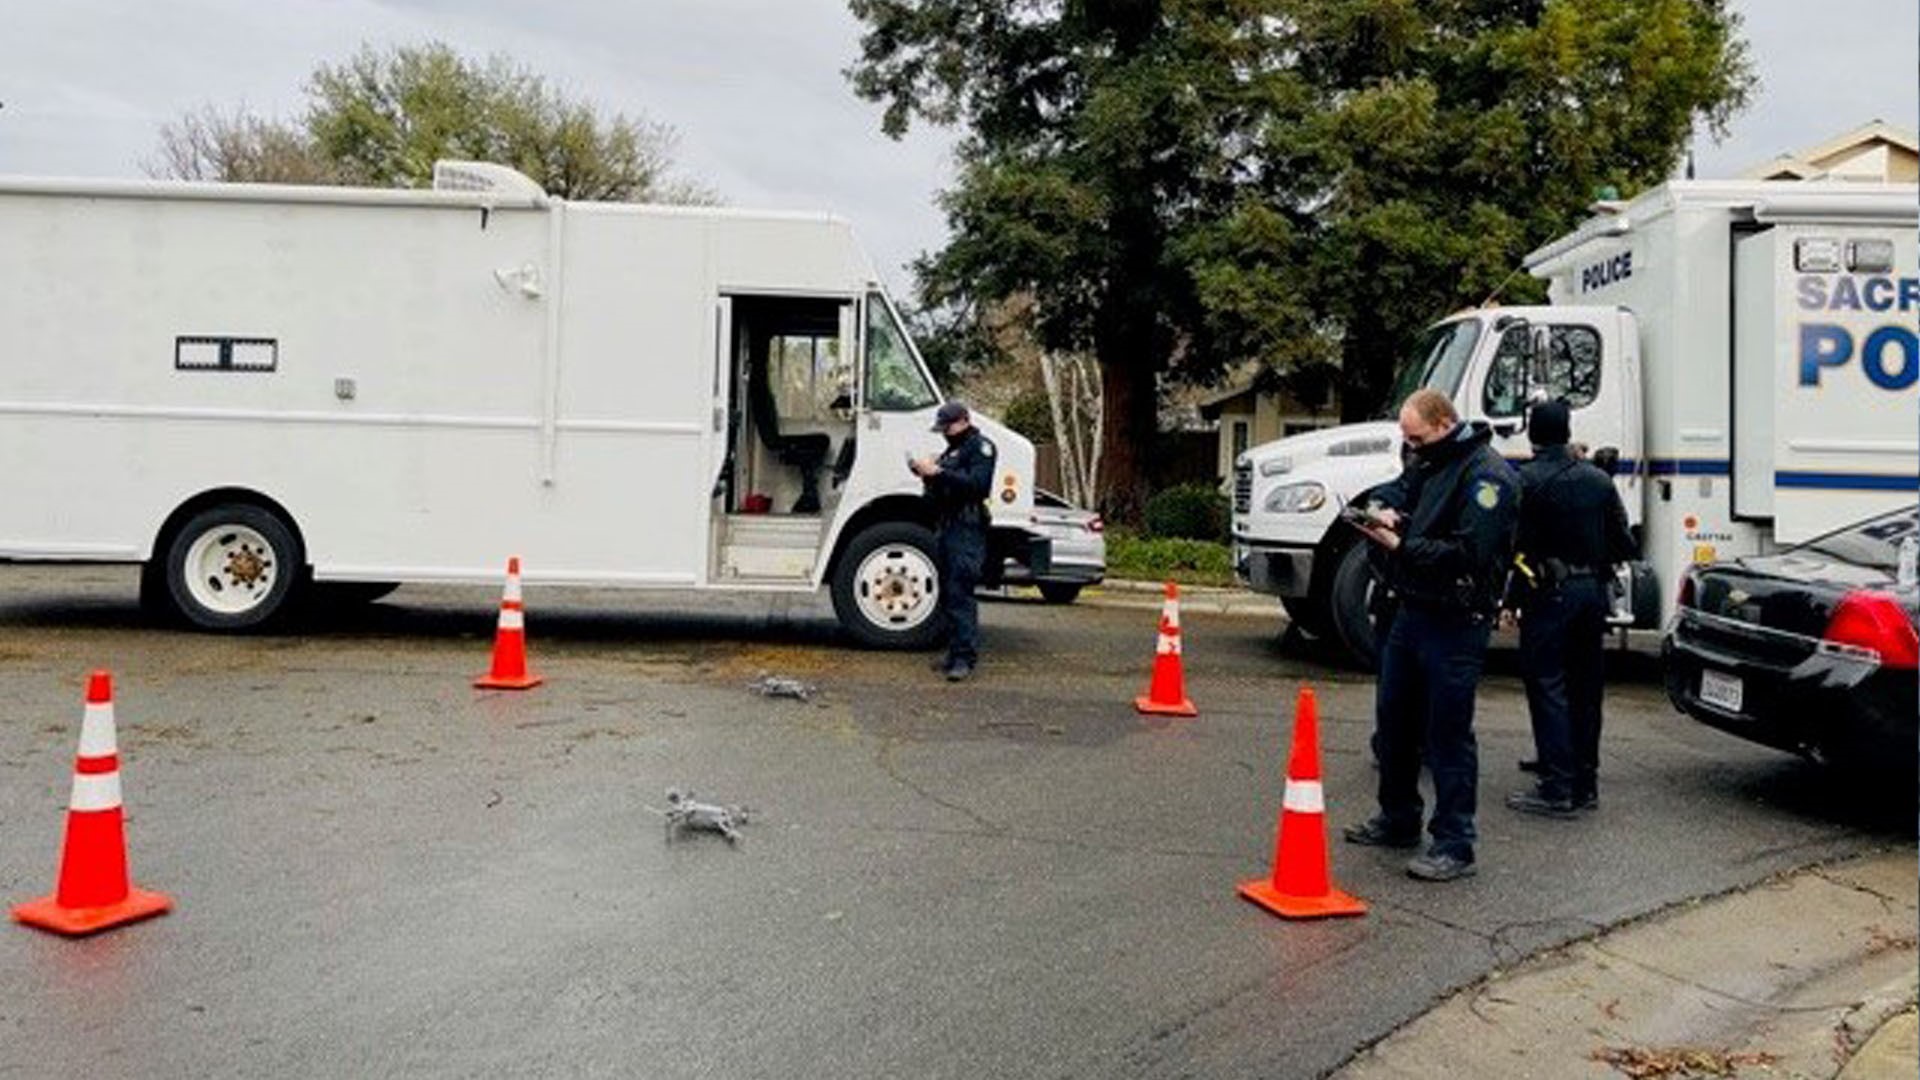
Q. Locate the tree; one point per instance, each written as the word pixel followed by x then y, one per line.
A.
pixel 383 118
pixel 1183 184
pixel 239 147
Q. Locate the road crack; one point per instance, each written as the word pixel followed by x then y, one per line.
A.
pixel 883 757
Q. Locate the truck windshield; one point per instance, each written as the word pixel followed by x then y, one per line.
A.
pixel 1439 360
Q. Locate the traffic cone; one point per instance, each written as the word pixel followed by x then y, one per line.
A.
pixel 93 893
pixel 510 641
pixel 1300 887
pixel 1167 693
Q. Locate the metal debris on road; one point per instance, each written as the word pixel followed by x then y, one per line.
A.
pixel 781 686
pixel 683 812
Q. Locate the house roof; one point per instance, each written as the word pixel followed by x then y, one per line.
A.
pixel 1817 160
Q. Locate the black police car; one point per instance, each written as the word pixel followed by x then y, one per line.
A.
pixel 1812 650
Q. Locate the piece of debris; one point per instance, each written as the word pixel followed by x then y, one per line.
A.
pixel 1880 941
pixel 683 812
pixel 1679 1062
pixel 783 687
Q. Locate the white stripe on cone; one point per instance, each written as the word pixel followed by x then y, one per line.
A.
pixel 96 791
pixel 513 588
pixel 1169 645
pixel 96 730
pixel 1304 797
pixel 512 619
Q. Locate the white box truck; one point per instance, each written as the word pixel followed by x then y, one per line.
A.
pixel 1745 350
pixel 248 387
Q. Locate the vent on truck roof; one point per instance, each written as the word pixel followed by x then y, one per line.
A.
pixel 484 176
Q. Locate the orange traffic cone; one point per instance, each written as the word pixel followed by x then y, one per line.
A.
pixel 1300 887
pixel 510 641
pixel 93 893
pixel 1167 693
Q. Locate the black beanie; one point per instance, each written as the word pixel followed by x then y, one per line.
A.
pixel 1549 424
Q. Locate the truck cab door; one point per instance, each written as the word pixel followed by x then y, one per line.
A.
pixel 897 400
pixel 1591 364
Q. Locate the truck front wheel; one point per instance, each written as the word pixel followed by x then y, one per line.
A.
pixel 1349 607
pixel 886 588
pixel 231 567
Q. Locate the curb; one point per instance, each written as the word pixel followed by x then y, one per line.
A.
pixel 1692 987
pixel 1204 599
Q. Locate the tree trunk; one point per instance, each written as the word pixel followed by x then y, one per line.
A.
pixel 1130 411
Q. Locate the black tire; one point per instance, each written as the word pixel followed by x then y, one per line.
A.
pixel 261 571
pixel 907 561
pixel 1306 613
pixel 1349 602
pixel 1059 592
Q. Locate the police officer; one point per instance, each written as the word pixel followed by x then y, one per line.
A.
pixel 957 484
pixel 1444 537
pixel 1573 531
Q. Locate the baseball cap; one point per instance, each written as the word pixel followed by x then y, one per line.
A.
pixel 948 413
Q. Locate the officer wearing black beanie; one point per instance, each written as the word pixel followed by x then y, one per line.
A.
pixel 1573 532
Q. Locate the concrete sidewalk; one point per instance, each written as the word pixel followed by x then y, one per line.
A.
pixel 1799 976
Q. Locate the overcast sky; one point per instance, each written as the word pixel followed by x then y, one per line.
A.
pixel 754 87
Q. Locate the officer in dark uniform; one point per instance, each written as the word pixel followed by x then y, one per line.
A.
pixel 957 483
pixel 1444 538
pixel 1573 531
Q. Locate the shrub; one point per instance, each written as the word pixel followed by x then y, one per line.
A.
pixel 1188 512
pixel 1190 562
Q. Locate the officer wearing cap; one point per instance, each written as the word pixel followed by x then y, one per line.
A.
pixel 1443 536
pixel 957 483
pixel 1573 531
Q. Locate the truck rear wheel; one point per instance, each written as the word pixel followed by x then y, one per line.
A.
pixel 1349 607
pixel 886 588
pixel 232 567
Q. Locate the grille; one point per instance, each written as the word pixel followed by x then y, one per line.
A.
pixel 1242 487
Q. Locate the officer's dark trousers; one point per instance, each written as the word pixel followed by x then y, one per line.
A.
pixel 1429 671
pixel 963 555
pixel 1562 642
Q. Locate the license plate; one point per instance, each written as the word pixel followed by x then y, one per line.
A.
pixel 1721 691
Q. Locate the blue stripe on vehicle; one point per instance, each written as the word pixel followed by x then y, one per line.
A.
pixel 1834 481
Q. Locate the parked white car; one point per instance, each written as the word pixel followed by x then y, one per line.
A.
pixel 1079 545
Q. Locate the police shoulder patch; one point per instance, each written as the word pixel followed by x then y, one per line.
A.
pixel 1487 494
pixel 986 447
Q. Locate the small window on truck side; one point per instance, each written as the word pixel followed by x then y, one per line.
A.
pixel 1571 373
pixel 894 380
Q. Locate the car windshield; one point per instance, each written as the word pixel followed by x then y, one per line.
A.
pixel 1438 361
pixel 1874 542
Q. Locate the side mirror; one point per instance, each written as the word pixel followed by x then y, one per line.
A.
pixel 1607 460
pixel 1506 430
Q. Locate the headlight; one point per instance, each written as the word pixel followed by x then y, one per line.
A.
pixel 1296 498
pixel 1276 466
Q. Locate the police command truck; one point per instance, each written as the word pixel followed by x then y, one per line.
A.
pixel 1744 351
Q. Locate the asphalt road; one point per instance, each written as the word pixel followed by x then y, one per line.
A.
pixel 379 870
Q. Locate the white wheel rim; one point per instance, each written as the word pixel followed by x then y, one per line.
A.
pixel 896 587
pixel 231 569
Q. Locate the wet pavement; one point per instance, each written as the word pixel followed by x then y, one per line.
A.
pixel 378 869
